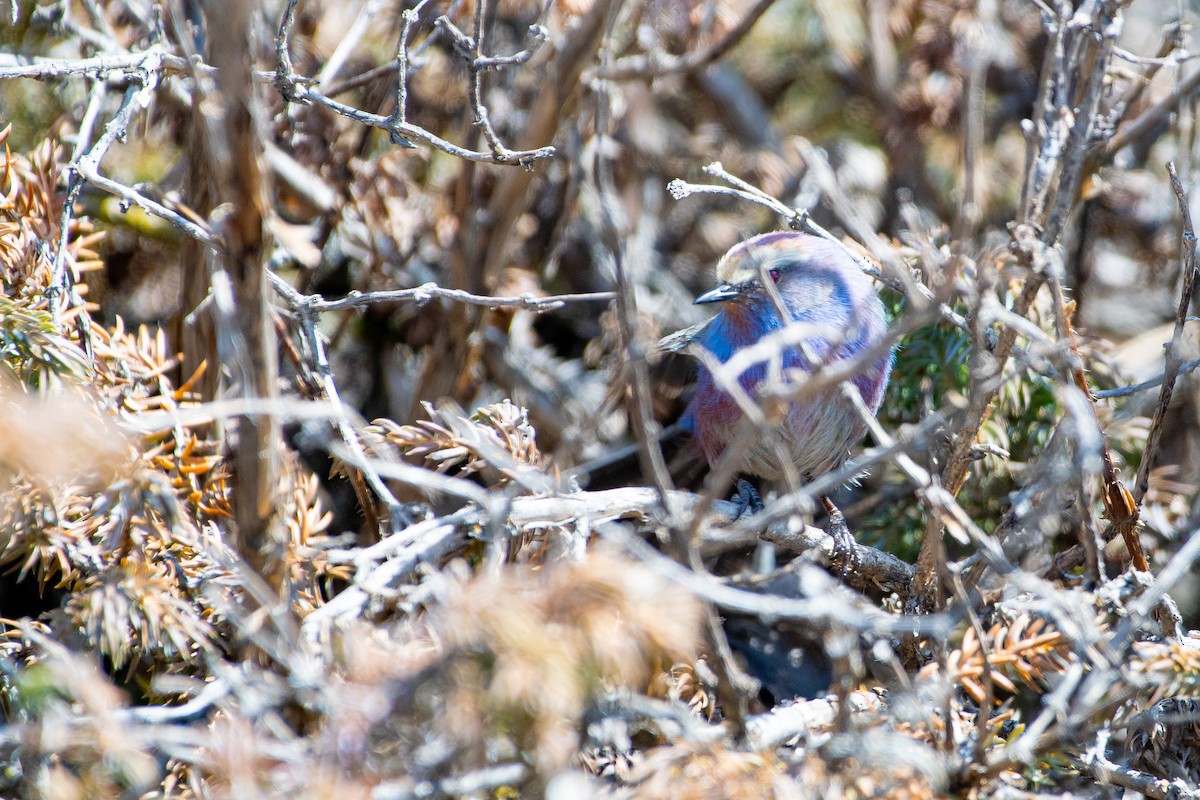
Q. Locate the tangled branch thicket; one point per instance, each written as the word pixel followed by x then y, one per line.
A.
pixel 338 457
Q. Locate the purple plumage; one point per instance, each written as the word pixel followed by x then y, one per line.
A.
pixel 837 314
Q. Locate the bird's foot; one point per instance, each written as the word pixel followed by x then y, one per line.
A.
pixel 746 498
pixel 844 554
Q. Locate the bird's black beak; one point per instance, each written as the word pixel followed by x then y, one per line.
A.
pixel 718 295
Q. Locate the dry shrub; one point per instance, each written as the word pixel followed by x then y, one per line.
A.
pixel 528 650
pixel 496 441
pixel 60 439
pixel 388 649
pixel 697 772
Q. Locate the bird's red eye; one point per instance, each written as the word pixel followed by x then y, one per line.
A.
pixel 774 275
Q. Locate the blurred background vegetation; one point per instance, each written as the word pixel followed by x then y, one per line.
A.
pixel 144 656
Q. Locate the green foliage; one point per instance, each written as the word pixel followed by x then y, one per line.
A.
pixel 932 365
pixel 35 689
pixel 33 347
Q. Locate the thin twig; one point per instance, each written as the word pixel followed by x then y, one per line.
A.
pixel 284 74
pixel 979 56
pixel 348 42
pixel 425 542
pixel 471 51
pixel 324 372
pixel 293 87
pixel 1173 360
pixel 409 131
pixel 1185 368
pixel 131 197
pixel 60 281
pixel 636 372
pixel 655 65
pixel 1169 54
pixel 896 273
pixel 85 168
pixel 410 16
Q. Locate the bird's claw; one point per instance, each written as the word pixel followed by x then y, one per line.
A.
pixel 746 498
pixel 844 554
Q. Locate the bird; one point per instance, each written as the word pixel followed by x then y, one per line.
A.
pixel 765 284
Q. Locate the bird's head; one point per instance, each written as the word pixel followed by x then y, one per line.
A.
pixel 807 271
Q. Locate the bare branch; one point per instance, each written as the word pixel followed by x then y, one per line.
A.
pixel 137 97
pixel 1185 368
pixel 97 68
pixel 429 291
pixel 471 51
pixel 656 65
pixel 409 131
